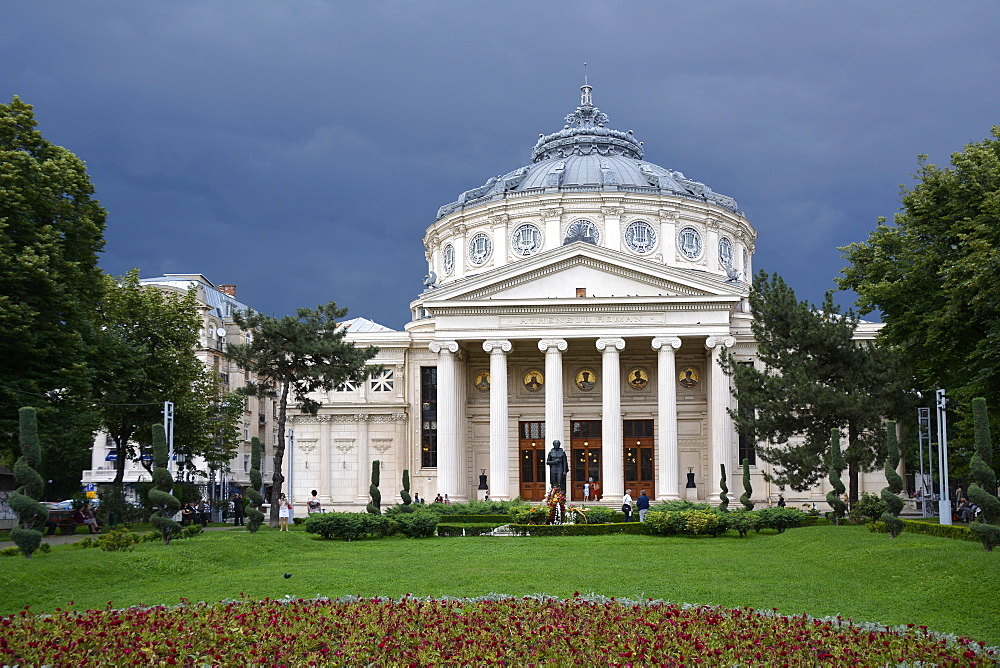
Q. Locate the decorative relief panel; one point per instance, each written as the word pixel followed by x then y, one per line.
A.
pixel 343 445
pixel 381 445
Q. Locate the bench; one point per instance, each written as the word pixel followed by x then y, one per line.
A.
pixel 64 520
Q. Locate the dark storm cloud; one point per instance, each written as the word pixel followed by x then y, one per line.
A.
pixel 300 150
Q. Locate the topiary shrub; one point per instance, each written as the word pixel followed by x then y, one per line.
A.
pixel 252 495
pixel 723 496
pixel 191 530
pixel 31 515
pixel 405 493
pixel 375 506
pixel 982 491
pixel 890 494
pixel 836 465
pixel 419 524
pixel 164 503
pixel 747 489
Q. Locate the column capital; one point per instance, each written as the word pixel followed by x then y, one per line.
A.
pixel 666 342
pixel 559 344
pixel 614 342
pixel 499 346
pixel 713 341
pixel 448 346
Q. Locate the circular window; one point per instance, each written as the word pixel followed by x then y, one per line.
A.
pixel 725 252
pixel 526 240
pixel 582 230
pixel 640 237
pixel 689 243
pixel 480 248
pixel 449 259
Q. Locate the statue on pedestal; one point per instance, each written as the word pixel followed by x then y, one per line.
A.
pixel 558 466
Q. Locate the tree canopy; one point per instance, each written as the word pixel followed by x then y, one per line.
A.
pixel 814 377
pixel 933 274
pixel 293 356
pixel 51 231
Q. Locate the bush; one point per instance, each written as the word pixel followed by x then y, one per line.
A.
pixel 530 515
pixel 191 531
pixel 477 507
pixel 702 522
pixel 118 541
pixel 12 551
pixel 348 526
pixel 114 506
pixel 870 507
pixel 989 534
pixel 743 522
pixel 419 524
pixel 877 526
pixel 673 506
pixel 632 528
pixel 940 530
pixel 602 515
pixel 780 518
pixel 475 519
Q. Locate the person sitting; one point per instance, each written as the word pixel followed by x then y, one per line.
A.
pixel 189 514
pixel 87 516
pixel 966 510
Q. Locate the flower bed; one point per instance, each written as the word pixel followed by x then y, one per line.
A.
pixel 490 630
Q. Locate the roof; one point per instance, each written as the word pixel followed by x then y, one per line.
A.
pixel 360 325
pixel 221 304
pixel 586 156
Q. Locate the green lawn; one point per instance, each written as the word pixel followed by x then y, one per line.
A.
pixel 947 585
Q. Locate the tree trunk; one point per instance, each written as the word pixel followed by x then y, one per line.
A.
pixel 279 454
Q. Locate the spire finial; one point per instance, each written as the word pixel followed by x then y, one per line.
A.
pixel 585 98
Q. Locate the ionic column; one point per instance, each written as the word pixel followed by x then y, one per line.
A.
pixel 666 407
pixel 611 421
pixel 499 481
pixel 364 463
pixel 325 491
pixel 719 433
pixel 447 424
pixel 553 349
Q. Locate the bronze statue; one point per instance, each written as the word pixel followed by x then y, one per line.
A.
pixel 558 466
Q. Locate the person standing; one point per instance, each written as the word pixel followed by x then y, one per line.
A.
pixel 627 505
pixel 781 500
pixel 284 512
pixel 238 510
pixel 586 490
pixel 312 504
pixel 642 505
pixel 595 490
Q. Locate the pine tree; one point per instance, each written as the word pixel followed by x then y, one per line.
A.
pixel 375 507
pixel 747 489
pixel 835 466
pixel 890 494
pixel 164 503
pixel 724 494
pixel 31 514
pixel 254 517
pixel 982 491
pixel 405 494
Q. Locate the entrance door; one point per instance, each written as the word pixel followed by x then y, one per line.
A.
pixel 531 445
pixel 637 441
pixel 585 446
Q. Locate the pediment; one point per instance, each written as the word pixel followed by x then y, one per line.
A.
pixel 601 273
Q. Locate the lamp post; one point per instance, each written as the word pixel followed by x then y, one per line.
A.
pixel 944 503
pixel 168 427
pixel 924 437
pixel 290 437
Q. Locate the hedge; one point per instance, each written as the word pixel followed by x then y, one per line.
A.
pixel 474 519
pixel 633 528
pixel 940 530
pixel 466 528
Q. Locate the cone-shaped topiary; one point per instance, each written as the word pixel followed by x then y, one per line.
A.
pixel 254 500
pixel 161 500
pixel 405 494
pixel 375 507
pixel 835 467
pixel 747 489
pixel 890 494
pixel 982 490
pixel 31 514
pixel 723 496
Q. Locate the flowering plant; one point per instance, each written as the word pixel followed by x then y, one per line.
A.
pixel 556 501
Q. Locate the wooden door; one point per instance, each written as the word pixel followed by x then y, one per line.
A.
pixel 531 460
pixel 585 454
pixel 638 446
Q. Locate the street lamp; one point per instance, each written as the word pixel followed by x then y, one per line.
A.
pixel 944 503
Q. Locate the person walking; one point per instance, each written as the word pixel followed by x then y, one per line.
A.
pixel 586 490
pixel 284 512
pixel 627 505
pixel 642 505
pixel 238 510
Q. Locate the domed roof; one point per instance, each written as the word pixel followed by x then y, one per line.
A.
pixel 586 156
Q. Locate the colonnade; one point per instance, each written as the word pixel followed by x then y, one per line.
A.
pixel 451 474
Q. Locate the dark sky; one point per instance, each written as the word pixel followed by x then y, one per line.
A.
pixel 301 149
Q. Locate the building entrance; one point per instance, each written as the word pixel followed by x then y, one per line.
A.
pixel 585 455
pixel 637 441
pixel 531 446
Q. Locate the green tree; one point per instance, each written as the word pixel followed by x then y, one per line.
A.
pixel 815 378
pixel 747 489
pixel 165 505
pixel 890 493
pixel 375 506
pixel 724 490
pixel 31 514
pixel 836 464
pixel 148 341
pixel 983 487
pixel 932 274
pixel 51 232
pixel 293 356
pixel 254 500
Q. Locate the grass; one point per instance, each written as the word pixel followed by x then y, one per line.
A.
pixel 822 571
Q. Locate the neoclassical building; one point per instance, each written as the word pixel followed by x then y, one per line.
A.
pixel 585 297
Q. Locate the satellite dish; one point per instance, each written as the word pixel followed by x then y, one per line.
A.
pixel 221 331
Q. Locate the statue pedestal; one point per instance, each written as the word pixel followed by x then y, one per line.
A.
pixel 691 493
pixel 481 494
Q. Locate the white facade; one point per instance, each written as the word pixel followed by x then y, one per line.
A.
pixel 587 296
